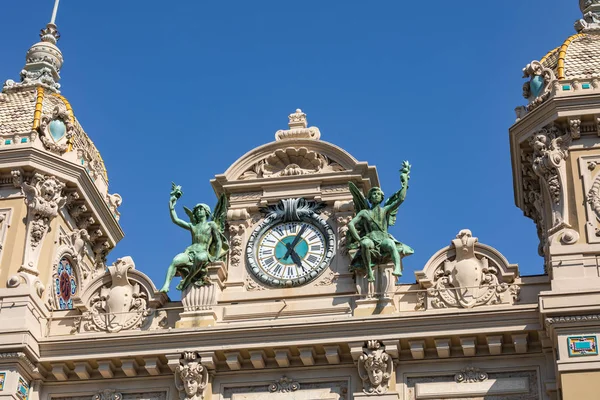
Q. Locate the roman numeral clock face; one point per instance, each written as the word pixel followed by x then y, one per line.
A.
pixel 290 253
pixel 291 250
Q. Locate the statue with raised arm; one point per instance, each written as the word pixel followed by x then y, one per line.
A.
pixel 368 230
pixel 208 242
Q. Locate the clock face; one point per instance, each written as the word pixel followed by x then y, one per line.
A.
pixel 290 250
pixel 293 253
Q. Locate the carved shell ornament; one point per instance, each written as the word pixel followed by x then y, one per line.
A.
pixel 289 162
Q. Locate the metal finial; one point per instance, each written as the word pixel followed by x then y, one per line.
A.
pixel 54 12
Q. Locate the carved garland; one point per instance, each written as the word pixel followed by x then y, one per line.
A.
pixel 593 197
pixel 284 385
pixel 470 375
pixel 236 232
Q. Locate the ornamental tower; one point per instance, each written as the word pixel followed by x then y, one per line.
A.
pixel 58 220
pixel 555 147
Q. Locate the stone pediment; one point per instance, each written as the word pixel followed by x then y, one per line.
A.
pixel 291 161
pixel 290 158
pixel 467 274
pixel 298 150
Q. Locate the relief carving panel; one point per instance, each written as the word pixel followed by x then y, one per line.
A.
pixel 474 384
pixel 467 274
pixel 289 389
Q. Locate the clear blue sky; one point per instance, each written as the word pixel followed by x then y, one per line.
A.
pixel 437 80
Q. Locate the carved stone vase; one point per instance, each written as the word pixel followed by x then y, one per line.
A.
pixel 201 298
pixel 199 302
pixel 376 297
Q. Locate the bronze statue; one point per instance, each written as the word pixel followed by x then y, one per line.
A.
pixel 208 242
pixel 369 228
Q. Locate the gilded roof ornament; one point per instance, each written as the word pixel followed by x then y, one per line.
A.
pixel 298 128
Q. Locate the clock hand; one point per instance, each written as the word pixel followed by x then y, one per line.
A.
pixel 297 260
pixel 291 247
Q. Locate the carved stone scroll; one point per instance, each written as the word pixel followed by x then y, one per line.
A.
pixel 550 150
pixel 539 87
pixel 44 198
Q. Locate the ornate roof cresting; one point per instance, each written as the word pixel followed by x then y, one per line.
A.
pixel 298 128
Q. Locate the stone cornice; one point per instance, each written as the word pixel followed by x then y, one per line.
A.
pixel 293 333
pixel 50 164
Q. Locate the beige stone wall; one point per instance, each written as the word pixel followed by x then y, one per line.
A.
pixel 48 252
pixel 581 385
pixel 12 254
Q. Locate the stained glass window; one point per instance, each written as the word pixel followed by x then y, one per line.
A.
pixel 65 284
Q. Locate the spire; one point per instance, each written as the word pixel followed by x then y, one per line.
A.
pixel 42 62
pixel 591 16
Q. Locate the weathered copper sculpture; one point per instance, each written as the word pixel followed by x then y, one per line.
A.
pixel 208 242
pixel 369 228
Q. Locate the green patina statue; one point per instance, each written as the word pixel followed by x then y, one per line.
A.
pixel 208 242
pixel 368 230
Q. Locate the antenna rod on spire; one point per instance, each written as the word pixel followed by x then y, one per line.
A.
pixel 52 21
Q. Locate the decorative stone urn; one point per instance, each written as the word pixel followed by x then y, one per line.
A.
pixel 376 297
pixel 199 302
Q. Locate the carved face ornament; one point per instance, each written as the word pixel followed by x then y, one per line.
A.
pixel 190 385
pixel 375 369
pixel 48 190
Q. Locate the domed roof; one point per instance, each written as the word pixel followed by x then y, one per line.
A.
pixel 22 111
pixel 572 66
pixel 577 58
pixel 34 108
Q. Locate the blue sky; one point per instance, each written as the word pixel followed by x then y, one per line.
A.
pixel 177 91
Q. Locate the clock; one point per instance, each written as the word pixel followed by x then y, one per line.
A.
pixel 291 248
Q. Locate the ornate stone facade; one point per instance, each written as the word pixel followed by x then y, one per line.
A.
pixel 268 324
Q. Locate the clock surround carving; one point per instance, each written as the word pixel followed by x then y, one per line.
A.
pixel 290 211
